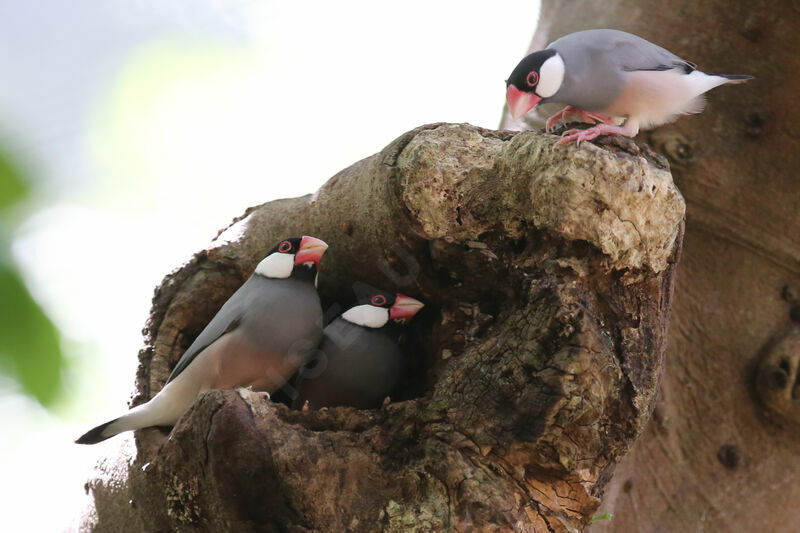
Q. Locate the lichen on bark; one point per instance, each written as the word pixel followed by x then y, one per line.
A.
pixel 548 276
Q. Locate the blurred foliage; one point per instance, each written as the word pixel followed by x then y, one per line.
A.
pixel 12 186
pixel 29 342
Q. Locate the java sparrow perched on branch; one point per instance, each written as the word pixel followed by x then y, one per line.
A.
pixel 359 361
pixel 259 338
pixel 607 77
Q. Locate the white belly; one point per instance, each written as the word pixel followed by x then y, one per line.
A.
pixel 654 97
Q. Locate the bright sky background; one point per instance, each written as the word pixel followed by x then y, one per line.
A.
pixel 149 125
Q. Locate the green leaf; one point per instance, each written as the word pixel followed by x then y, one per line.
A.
pixel 607 516
pixel 29 342
pixel 12 186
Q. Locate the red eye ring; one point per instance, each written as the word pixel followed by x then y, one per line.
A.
pixel 378 300
pixel 284 247
pixel 532 78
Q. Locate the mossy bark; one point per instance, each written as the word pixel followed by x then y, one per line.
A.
pixel 547 273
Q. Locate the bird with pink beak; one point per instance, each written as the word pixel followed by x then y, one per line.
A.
pixel 614 80
pixel 359 361
pixel 259 338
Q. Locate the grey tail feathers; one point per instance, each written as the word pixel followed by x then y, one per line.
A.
pixel 735 78
pixel 93 436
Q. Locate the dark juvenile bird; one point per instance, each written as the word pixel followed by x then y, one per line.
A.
pixel 359 361
pixel 609 77
pixel 259 338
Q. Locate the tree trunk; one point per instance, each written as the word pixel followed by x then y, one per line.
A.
pixel 720 453
pixel 547 273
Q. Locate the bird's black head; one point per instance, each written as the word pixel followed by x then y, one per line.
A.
pixel 525 76
pixel 286 246
pixel 377 309
pixel 295 257
pixel 536 77
pixel 377 298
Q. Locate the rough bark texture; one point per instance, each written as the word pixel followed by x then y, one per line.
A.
pixel 548 275
pixel 721 453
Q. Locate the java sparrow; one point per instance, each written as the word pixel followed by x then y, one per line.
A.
pixel 359 361
pixel 259 338
pixel 607 77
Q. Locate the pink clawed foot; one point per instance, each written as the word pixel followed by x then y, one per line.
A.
pixel 628 130
pixel 570 113
pixel 552 121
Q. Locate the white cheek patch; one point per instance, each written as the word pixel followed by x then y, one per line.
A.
pixel 551 75
pixel 367 315
pixel 276 266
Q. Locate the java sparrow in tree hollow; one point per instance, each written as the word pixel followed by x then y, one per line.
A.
pixel 259 338
pixel 607 77
pixel 359 361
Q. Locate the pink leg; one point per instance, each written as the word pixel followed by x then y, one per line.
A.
pixel 569 113
pixel 630 129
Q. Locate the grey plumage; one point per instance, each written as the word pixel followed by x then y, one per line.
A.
pixel 599 59
pixel 250 311
pixel 356 366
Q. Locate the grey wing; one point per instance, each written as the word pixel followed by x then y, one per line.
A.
pixel 634 57
pixel 226 319
pixel 629 52
pixel 634 53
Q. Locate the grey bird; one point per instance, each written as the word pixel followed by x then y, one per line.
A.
pixel 359 361
pixel 259 338
pixel 609 77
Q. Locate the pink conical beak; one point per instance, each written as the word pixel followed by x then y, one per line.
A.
pixel 311 249
pixel 520 102
pixel 405 307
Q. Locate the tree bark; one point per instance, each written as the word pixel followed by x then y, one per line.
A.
pixel 721 453
pixel 547 273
